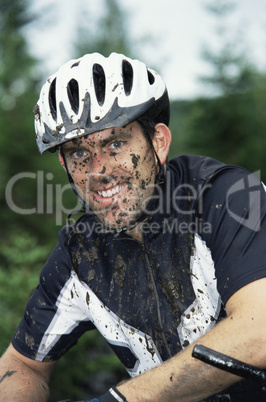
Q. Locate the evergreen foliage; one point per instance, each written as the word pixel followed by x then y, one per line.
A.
pixel 230 125
pixel 109 35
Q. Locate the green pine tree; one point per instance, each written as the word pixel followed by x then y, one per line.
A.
pixel 229 125
pixel 109 33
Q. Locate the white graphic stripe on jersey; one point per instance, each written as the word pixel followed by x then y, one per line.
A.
pixel 203 313
pixel 118 333
pixel 67 318
pixel 76 303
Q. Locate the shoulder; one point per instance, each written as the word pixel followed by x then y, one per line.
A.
pixel 194 167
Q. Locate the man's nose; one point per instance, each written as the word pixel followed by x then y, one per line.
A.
pixel 101 165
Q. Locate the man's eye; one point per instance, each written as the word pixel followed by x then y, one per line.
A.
pixel 79 154
pixel 116 144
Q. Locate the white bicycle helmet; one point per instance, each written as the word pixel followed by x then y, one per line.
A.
pixel 93 93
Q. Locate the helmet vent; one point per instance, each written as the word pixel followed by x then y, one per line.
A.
pixel 150 77
pixel 99 83
pixel 52 99
pixel 127 72
pixel 75 64
pixel 73 95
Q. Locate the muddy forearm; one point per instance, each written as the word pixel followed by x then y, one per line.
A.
pixel 20 383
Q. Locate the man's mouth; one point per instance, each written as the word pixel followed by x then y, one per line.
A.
pixel 111 192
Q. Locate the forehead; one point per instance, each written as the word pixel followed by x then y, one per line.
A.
pixel 131 131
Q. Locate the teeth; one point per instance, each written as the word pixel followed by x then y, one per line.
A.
pixel 110 193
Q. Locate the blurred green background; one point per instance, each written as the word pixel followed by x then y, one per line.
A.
pixel 35 198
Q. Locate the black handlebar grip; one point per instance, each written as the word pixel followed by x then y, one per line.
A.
pixel 228 364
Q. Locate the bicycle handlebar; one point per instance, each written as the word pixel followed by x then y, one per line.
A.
pixel 229 364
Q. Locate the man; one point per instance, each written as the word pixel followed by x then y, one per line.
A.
pixel 166 254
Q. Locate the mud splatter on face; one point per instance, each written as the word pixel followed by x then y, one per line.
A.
pixel 135 160
pixel 115 174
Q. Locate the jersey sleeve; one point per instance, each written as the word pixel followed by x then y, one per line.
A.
pixel 232 213
pixel 48 311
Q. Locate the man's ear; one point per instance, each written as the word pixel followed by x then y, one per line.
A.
pixel 61 160
pixel 161 141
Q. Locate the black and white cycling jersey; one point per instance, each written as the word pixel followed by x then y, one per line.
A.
pixel 204 241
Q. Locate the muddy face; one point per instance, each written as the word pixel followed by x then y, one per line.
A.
pixel 114 172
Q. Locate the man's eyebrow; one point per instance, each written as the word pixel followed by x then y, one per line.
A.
pixel 73 146
pixel 70 146
pixel 121 135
